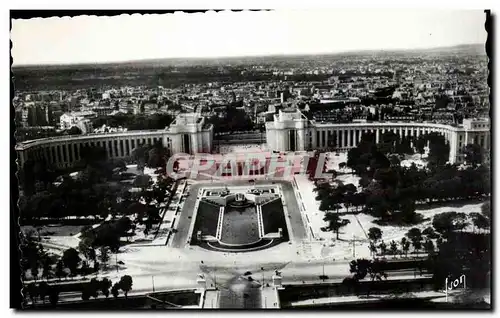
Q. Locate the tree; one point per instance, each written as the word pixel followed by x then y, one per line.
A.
pixel 157 156
pixel 443 223
pixel 394 159
pixel 105 285
pixel 71 260
pixel 104 255
pixel 479 220
pixel 96 266
pixel 353 158
pixel 115 290
pixel 407 208
pixel 439 242
pixel 47 267
pixel 342 165
pixel 439 150
pixel 34 270
pixel 74 131
pixel 383 248
pixel 349 198
pixel 386 177
pixel 464 253
pixel 84 269
pixel 360 268
pixel 86 248
pixel 363 267
pixel 376 271
pixel 373 248
pixel 374 234
pixel 405 245
pixel 94 287
pixel 430 233
pixel 123 225
pixel 358 199
pixel 429 246
pixel 377 201
pixel 460 221
pixel 142 181
pixel 394 247
pixel 324 191
pixel 414 234
pixel 417 245
pixel 364 181
pixel 125 284
pixel 334 222
pixel 60 270
pixel 474 154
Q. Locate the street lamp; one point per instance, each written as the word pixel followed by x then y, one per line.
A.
pixel 323 270
pixel 353 247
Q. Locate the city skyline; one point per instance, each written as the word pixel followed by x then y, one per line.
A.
pixel 91 39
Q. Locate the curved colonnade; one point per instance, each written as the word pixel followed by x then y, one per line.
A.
pixel 64 151
pixel 188 133
pixel 291 131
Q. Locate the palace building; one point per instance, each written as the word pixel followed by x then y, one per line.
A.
pixel 188 133
pixel 290 130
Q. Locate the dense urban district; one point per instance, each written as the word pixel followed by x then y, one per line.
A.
pixel 399 215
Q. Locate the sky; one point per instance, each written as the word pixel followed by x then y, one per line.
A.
pixel 91 39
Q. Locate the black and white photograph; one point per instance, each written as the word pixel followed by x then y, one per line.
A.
pixel 282 159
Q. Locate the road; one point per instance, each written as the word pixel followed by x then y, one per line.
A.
pixel 232 278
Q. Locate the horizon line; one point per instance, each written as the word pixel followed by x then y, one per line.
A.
pixel 143 60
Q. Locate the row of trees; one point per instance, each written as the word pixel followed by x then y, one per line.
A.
pixel 95 246
pixel 71 263
pixel 90 193
pixel 94 163
pixel 37 260
pixel 38 292
pixel 34 257
pixel 390 191
pixel 459 252
pixel 444 225
pixel 413 238
pixel 330 198
pixel 95 286
pixel 152 156
pixel 362 268
pixel 233 119
pixel 360 157
pixel 135 122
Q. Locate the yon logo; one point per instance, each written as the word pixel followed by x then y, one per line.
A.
pixel 451 285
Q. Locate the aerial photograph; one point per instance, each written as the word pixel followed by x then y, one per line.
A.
pixel 282 159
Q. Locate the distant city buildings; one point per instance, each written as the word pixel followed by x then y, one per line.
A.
pixel 327 92
pixel 78 119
